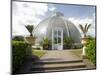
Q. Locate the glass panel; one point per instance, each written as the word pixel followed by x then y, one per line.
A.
pixel 57 36
pixel 59 33
pixel 55 32
pixel 59 39
pixel 55 40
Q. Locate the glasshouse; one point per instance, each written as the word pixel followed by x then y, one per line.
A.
pixel 58 30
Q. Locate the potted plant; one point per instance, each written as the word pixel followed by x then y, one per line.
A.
pixel 30 39
pixel 46 43
pixel 84 38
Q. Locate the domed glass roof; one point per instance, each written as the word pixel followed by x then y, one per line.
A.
pixel 57 20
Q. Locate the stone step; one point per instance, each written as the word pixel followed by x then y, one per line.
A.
pixel 58 66
pixel 59 70
pixel 57 61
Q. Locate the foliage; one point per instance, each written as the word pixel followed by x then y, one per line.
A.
pixel 46 43
pixel 18 38
pixel 19 53
pixel 91 50
pixel 85 28
pixel 68 42
pixel 30 29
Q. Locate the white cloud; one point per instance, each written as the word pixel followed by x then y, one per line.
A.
pixel 26 13
pixel 29 13
pixel 52 8
pixel 78 21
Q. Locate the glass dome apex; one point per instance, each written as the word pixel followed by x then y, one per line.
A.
pixel 45 27
pixel 58 14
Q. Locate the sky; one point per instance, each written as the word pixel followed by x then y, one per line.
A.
pixel 30 13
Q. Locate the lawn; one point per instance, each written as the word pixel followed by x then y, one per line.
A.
pixel 38 53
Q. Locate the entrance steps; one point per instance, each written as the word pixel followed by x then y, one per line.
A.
pixel 56 61
pixel 57 65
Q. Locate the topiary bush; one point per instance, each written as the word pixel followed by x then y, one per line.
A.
pixel 19 53
pixel 91 51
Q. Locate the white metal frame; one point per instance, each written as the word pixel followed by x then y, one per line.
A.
pixel 59 47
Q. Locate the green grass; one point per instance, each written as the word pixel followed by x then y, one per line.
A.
pixel 77 52
pixel 38 53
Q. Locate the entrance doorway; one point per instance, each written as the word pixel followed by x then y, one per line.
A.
pixel 57 39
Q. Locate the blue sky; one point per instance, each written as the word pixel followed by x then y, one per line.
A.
pixel 76 10
pixel 24 13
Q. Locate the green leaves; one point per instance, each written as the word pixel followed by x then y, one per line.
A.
pixel 68 42
pixel 46 43
pixel 30 29
pixel 81 27
pixel 91 50
pixel 18 38
pixel 85 28
pixel 19 53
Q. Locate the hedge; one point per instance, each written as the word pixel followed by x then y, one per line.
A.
pixel 91 51
pixel 19 53
pixel 18 38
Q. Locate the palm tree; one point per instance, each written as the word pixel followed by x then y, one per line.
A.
pixel 30 29
pixel 85 28
pixel 85 38
pixel 31 39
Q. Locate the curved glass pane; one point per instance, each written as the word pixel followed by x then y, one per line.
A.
pixel 44 29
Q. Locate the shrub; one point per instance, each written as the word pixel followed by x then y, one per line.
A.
pixel 68 42
pixel 19 53
pixel 46 43
pixel 18 38
pixel 91 51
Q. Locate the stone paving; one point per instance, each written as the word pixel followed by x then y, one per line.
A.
pixel 60 54
pixel 66 55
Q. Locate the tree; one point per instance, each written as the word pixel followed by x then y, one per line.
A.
pixel 85 28
pixel 85 38
pixel 30 29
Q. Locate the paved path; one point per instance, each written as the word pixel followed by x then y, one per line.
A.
pixel 66 55
pixel 60 54
pixel 53 56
